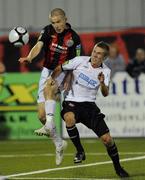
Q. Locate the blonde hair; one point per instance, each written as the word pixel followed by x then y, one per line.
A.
pixel 57 12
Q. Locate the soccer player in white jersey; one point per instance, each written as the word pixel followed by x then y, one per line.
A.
pixel 90 74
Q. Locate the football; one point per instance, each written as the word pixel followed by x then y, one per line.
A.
pixel 19 36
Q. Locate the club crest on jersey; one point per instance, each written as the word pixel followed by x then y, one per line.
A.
pixel 69 43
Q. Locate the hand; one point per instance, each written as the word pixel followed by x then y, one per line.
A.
pixel 50 81
pixel 67 82
pixel 24 59
pixel 101 77
pixel 66 86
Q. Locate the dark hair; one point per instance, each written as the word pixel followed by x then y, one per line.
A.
pixel 105 46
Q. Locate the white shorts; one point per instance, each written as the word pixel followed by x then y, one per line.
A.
pixel 43 78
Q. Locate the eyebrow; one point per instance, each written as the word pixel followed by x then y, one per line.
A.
pixel 101 52
pixel 55 21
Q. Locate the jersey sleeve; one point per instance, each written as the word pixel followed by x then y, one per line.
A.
pixel 78 46
pixel 76 49
pixel 43 35
pixel 71 64
pixel 107 74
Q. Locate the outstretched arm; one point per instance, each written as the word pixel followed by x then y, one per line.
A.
pixel 103 87
pixel 33 53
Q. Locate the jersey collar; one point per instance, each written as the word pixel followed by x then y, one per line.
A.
pixel 99 66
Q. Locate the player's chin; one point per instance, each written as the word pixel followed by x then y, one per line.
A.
pixel 59 31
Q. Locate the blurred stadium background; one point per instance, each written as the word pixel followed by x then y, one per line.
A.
pixel 119 22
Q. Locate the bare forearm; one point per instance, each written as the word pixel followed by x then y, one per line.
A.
pixel 56 72
pixel 68 76
pixel 104 89
pixel 67 81
pixel 35 51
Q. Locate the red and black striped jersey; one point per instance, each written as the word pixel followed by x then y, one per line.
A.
pixel 59 47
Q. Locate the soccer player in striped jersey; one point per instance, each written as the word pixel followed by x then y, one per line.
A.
pixel 59 43
pixel 90 74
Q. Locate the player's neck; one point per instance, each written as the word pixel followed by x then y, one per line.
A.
pixel 96 65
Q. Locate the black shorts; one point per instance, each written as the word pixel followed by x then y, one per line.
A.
pixel 88 114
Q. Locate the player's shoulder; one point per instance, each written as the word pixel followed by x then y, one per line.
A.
pixel 79 60
pixel 106 67
pixel 83 58
pixel 48 28
pixel 72 30
pixel 45 32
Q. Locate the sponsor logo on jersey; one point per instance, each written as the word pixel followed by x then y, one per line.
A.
pixel 57 48
pixel 88 79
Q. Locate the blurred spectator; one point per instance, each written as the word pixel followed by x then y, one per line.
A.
pixel 2 68
pixel 137 65
pixel 115 61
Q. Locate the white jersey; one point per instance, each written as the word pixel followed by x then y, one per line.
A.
pixel 85 83
pixel 45 74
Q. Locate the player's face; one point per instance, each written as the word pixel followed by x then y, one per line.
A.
pixel 97 56
pixel 58 23
pixel 140 55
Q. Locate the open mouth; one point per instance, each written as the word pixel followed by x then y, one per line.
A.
pixel 58 30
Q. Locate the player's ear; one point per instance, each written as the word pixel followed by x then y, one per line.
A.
pixel 106 55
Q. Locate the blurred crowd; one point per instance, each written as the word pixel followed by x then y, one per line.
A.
pixel 117 63
pixel 137 65
pixel 115 60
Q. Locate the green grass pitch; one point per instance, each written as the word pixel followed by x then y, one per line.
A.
pixel 35 159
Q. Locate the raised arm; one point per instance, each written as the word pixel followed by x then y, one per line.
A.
pixel 103 87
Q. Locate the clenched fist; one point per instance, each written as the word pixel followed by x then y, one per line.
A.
pixel 101 77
